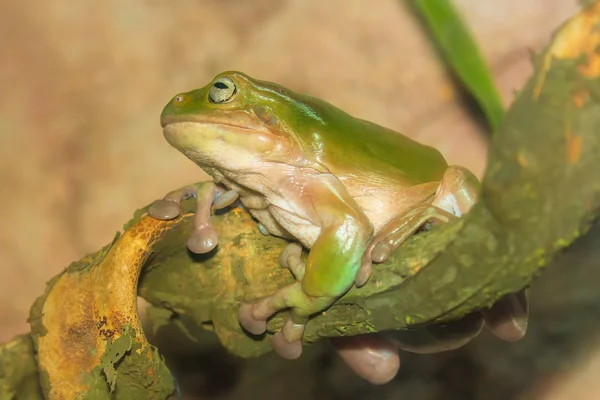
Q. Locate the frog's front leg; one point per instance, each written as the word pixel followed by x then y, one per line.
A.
pixel 204 238
pixel 329 272
pixel 456 194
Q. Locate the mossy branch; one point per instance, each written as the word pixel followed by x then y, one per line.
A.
pixel 541 191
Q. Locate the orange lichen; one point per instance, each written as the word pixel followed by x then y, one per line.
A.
pixel 580 96
pixel 573 145
pixel 415 267
pixel 579 37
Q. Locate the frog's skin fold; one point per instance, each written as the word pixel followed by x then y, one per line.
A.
pixel 347 189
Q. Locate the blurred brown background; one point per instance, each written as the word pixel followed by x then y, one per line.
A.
pixel 82 85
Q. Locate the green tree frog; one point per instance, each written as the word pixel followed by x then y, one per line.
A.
pixel 347 189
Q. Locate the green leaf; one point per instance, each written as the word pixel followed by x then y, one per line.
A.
pixel 462 54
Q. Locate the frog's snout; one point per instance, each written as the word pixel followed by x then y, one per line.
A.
pixel 173 107
pixel 163 120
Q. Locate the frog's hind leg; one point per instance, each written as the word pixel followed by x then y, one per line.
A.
pixel 456 194
pixel 204 238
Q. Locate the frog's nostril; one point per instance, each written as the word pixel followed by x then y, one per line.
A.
pixel 179 98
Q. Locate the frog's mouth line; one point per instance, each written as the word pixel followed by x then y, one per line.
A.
pixel 190 119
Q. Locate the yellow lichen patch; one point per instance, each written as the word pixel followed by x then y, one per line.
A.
pixel 415 267
pixel 88 309
pixel 579 37
pixel 237 211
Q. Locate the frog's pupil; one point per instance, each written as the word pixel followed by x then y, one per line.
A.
pixel 221 85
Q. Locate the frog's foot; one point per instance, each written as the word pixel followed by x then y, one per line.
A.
pixel 286 349
pixel 289 258
pixel 364 272
pixel 287 343
pixel 392 235
pixel 508 317
pixel 456 194
pixel 204 238
pixel 225 199
pixel 169 207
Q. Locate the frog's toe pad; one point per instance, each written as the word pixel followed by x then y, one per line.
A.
pixel 263 230
pixel 203 240
pixel 248 322
pixel 226 199
pixel 381 252
pixel 164 210
pixel 285 349
pixel 363 276
pixel 293 250
pixel 364 273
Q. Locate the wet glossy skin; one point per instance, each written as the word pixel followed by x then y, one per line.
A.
pixel 347 189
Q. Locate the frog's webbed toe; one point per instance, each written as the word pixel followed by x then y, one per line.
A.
pixel 253 317
pixel 249 322
pixel 169 207
pixel 290 259
pixel 438 338
pixel 392 235
pixel 204 237
pixel 289 350
pixel 164 209
pixel 203 240
pixel 364 272
pixel 508 317
pixel 381 252
pixel 226 199
pixel 264 231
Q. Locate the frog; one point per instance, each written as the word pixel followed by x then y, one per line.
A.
pixel 347 190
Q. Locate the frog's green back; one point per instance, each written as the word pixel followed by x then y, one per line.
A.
pixel 345 144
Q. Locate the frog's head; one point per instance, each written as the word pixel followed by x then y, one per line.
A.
pixel 236 122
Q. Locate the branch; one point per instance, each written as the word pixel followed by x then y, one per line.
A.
pixel 540 193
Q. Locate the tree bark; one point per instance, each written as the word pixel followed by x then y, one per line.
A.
pixel 541 192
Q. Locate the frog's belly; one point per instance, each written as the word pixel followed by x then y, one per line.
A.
pixel 282 223
pixel 380 208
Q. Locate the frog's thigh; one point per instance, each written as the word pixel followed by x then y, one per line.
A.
pixel 455 196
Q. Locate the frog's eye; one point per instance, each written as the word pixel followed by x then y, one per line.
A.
pixel 222 90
